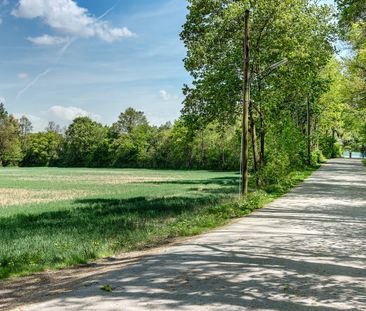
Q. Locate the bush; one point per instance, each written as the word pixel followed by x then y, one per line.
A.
pixel 276 169
pixel 317 157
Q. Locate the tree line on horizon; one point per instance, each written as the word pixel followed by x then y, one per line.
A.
pixel 208 134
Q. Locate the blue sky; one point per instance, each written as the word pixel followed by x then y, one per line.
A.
pixel 63 58
pixel 60 59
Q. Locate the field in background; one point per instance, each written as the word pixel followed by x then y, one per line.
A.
pixel 51 217
pixel 19 186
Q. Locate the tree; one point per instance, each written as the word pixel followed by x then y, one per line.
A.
pixel 3 112
pixel 26 126
pixel 353 23
pixel 25 129
pixel 10 146
pixel 351 11
pixel 82 139
pixel 43 149
pixel 53 127
pixel 129 120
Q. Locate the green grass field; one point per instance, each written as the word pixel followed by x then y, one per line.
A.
pixel 52 217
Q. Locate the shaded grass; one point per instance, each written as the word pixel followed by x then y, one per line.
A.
pixel 63 233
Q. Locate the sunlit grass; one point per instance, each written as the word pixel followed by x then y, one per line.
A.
pixel 143 209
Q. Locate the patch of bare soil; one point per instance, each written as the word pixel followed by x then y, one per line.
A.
pixel 38 287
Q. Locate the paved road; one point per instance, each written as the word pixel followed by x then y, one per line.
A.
pixel 305 251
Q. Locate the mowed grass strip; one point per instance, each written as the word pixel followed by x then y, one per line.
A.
pixel 109 218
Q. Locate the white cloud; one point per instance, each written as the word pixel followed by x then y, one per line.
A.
pixel 48 40
pixel 39 124
pixel 70 113
pixel 164 95
pixel 67 17
pixel 23 75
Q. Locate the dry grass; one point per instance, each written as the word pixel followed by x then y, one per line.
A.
pixel 95 179
pixel 11 197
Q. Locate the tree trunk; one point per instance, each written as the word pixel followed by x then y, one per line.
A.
pixel 246 99
pixel 262 134
pixel 254 144
pixel 223 159
pixel 308 131
pixel 333 155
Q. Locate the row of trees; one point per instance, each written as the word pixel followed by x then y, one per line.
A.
pixel 353 26
pixel 130 142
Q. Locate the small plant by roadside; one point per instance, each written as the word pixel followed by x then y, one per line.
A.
pixel 107 288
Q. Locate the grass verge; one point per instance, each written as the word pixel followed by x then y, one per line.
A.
pixel 77 231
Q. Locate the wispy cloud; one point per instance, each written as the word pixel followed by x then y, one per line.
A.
pixel 34 81
pixel 37 10
pixel 23 75
pixel 108 11
pixel 67 17
pixel 48 40
pixel 164 95
pixel 70 113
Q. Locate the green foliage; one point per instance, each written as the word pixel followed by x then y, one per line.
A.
pixel 301 32
pixel 317 157
pixel 353 22
pixel 82 141
pixel 351 11
pixel 107 288
pixel 128 121
pixel 43 149
pixel 10 144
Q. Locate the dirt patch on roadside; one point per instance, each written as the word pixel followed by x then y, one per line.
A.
pixel 42 286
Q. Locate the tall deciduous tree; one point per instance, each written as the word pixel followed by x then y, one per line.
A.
pixel 10 146
pixel 128 121
pixel 82 139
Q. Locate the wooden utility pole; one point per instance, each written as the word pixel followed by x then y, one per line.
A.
pixel 309 130
pixel 246 100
